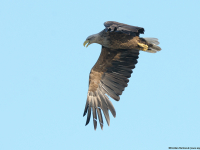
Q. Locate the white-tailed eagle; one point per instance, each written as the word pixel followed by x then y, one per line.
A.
pixel 109 76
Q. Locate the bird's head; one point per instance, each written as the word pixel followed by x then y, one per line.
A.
pixel 91 39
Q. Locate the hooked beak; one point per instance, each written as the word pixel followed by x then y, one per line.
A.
pixel 86 42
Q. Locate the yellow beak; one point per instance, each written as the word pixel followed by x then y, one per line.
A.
pixel 86 42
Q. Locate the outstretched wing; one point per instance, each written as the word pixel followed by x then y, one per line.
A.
pixel 113 26
pixel 108 76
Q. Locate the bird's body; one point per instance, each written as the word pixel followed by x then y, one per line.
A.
pixel 117 40
pixel 120 49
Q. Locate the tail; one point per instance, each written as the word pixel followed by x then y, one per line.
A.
pixel 152 44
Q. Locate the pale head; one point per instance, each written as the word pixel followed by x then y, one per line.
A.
pixel 91 39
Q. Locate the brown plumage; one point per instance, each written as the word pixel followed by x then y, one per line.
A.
pixel 120 49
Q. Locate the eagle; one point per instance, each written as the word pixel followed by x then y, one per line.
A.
pixel 110 75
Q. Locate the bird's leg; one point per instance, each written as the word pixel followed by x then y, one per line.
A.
pixel 143 46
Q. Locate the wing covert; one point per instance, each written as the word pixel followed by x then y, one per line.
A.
pixel 113 26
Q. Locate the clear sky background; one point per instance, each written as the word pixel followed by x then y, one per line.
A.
pixel 44 71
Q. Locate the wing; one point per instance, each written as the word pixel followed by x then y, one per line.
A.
pixel 108 76
pixel 113 26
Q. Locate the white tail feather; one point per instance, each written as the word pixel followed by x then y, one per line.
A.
pixel 154 42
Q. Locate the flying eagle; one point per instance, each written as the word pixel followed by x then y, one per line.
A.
pixel 109 76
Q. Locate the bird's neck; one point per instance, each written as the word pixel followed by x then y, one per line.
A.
pixel 99 38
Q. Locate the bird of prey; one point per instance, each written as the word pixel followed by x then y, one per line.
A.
pixel 109 76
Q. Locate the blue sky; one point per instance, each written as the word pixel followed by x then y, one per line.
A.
pixel 45 71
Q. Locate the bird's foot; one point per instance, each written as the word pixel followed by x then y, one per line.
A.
pixel 143 46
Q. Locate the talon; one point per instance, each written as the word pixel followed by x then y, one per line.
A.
pixel 144 47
